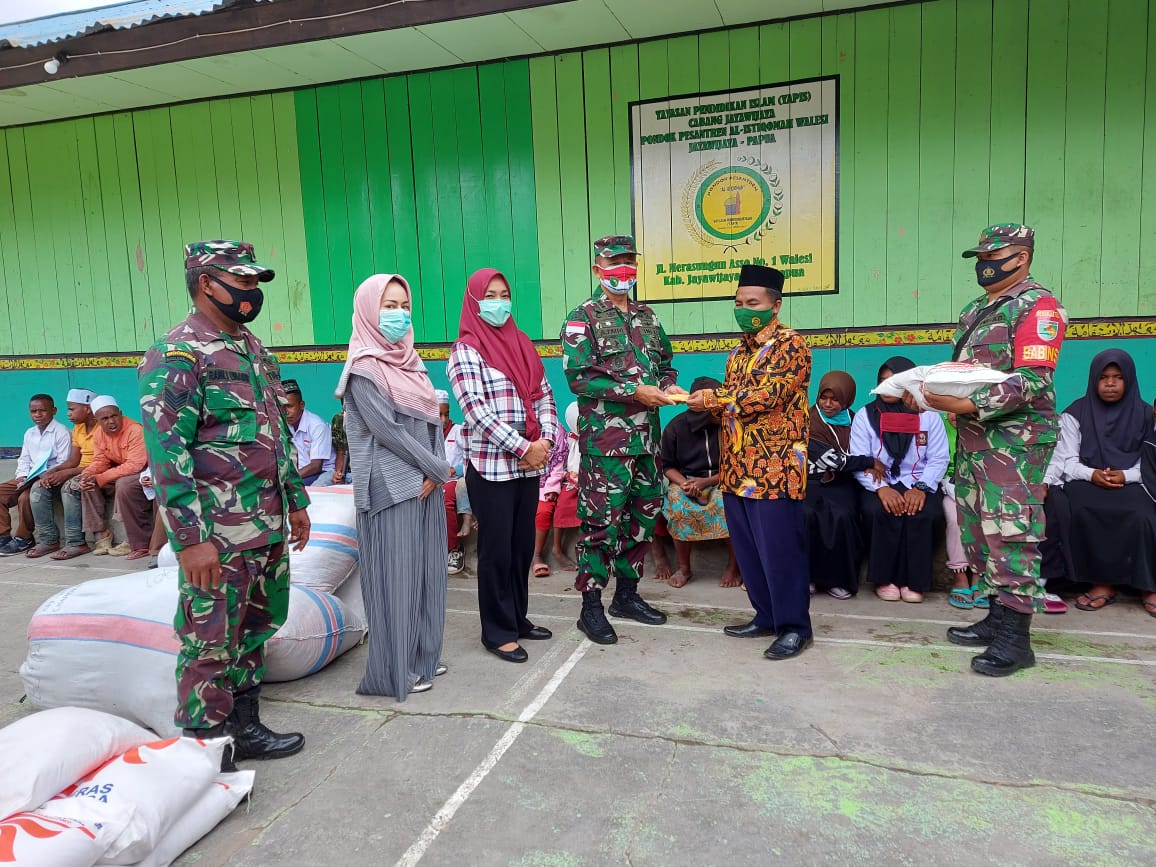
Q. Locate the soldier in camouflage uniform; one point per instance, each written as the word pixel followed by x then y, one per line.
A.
pixel 617 360
pixel 211 401
pixel 1007 433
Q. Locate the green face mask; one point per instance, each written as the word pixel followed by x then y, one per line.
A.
pixel 495 311
pixel 754 321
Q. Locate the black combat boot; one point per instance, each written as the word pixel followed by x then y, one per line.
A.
pixel 217 731
pixel 1012 648
pixel 254 740
pixel 593 620
pixel 627 603
pixel 980 633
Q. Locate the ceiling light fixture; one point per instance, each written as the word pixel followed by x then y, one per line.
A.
pixel 53 66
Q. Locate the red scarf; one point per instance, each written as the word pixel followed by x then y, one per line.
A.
pixel 507 349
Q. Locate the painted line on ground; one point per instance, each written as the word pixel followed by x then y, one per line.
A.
pixel 875 617
pixel 443 816
pixel 867 642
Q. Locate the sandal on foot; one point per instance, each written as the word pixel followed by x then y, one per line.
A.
pixel 1053 604
pixel 839 593
pixel 43 549
pixel 138 554
pixel 888 593
pixel 1087 602
pixel 979 601
pixel 1150 607
pixel 71 551
pixel 541 570
pixel 961 597
pixel 909 595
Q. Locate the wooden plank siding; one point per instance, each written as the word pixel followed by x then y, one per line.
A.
pixel 953 114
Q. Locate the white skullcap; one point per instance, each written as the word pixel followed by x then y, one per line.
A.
pixel 80 395
pixel 442 395
pixel 99 403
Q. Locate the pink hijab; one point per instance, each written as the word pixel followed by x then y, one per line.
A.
pixel 507 348
pixel 394 367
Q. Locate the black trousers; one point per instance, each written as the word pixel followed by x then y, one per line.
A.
pixel 506 513
pixel 901 547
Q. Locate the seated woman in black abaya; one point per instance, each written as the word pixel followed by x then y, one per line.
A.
pixel 835 540
pixel 1110 532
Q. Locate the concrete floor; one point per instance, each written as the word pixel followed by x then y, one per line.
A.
pixel 680 746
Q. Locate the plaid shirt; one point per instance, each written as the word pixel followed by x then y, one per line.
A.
pixel 495 425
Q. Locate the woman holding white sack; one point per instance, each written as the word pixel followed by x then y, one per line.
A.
pixel 912 446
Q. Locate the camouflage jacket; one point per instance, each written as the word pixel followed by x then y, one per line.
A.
pixel 765 415
pixel 1019 333
pixel 607 355
pixel 216 437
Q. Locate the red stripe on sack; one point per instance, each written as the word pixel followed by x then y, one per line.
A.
pixel 104 627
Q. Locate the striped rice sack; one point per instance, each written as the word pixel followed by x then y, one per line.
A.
pixel 109 645
pixel 331 555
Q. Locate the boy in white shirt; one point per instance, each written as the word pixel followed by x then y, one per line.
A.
pixel 46 444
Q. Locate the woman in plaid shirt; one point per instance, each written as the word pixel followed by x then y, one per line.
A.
pixel 509 430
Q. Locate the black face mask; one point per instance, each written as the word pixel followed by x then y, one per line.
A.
pixel 244 304
pixel 988 272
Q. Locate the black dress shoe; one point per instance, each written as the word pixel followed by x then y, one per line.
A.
pixel 537 633
pixel 748 630
pixel 518 654
pixel 787 645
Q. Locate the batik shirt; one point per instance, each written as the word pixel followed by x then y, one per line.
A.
pixel 1019 333
pixel 217 439
pixel 765 415
pixel 606 355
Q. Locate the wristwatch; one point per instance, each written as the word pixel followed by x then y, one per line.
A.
pixel 923 486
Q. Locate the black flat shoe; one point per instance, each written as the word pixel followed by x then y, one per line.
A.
pixel 518 654
pixel 748 630
pixel 537 633
pixel 787 645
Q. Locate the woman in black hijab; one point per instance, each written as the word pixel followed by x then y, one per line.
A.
pixel 1111 537
pixel 900 509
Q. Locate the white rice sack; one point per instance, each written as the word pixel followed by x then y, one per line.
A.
pixel 44 752
pixel 331 555
pixel 319 629
pixel 43 839
pixel 153 784
pixel 108 645
pixel 216 802
pixel 350 595
pixel 909 381
pixel 957 379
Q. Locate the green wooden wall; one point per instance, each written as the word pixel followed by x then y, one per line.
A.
pixel 954 114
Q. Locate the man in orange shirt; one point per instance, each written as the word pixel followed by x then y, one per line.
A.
pixel 118 459
pixel 764 410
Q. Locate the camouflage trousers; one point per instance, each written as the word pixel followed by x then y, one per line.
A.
pixel 223 632
pixel 618 504
pixel 1000 496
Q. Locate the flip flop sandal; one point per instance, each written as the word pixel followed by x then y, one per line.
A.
pixel 70 552
pixel 1090 606
pixel 42 550
pixel 138 554
pixel 977 600
pixel 541 570
pixel 1150 607
pixel 960 597
pixel 1053 604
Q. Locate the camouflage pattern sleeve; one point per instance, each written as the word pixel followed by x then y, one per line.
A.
pixel 1013 394
pixel 586 374
pixel 170 400
pixel 667 375
pixel 292 487
pixel 1036 341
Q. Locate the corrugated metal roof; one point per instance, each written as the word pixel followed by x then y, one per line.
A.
pixel 118 16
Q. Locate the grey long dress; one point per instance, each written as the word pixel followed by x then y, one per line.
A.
pixel 403 571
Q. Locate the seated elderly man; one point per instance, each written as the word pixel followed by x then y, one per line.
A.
pixel 46 444
pixel 49 486
pixel 311 436
pixel 117 462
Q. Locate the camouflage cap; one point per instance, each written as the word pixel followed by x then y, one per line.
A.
pixel 1002 235
pixel 236 257
pixel 614 245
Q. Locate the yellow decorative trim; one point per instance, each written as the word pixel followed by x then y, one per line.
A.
pixel 1088 329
